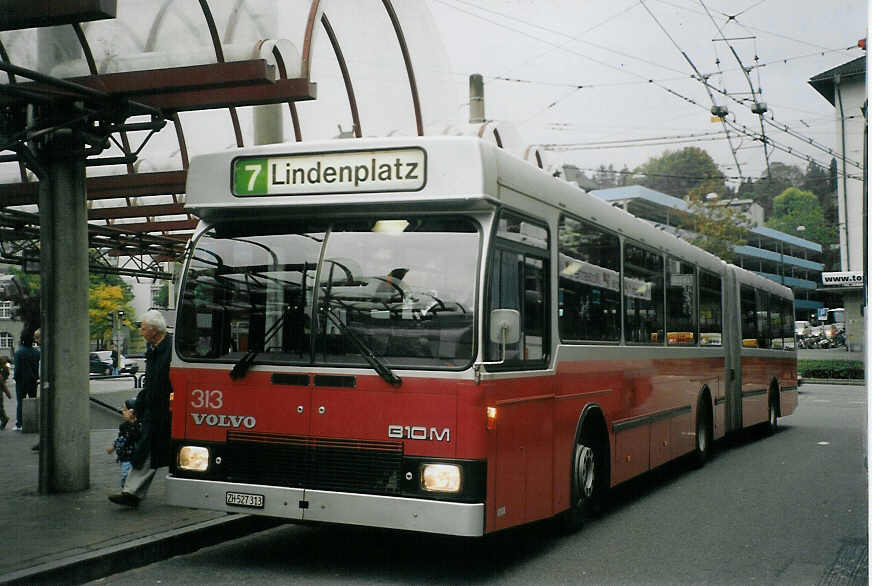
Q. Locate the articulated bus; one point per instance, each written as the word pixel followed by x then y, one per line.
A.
pixel 430 334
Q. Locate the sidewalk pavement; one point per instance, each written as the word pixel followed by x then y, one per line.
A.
pixel 80 536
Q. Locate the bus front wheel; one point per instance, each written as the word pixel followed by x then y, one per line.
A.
pixel 588 470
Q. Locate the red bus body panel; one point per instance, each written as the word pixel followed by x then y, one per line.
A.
pixel 363 412
pixel 649 404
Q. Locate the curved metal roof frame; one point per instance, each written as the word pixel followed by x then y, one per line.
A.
pixel 140 216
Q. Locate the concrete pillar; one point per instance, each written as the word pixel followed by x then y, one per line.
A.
pixel 64 459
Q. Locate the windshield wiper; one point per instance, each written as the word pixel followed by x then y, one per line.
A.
pixel 243 364
pixel 380 367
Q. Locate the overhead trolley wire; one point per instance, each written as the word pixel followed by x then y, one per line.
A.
pixel 733 126
pixel 747 78
pixel 749 27
pixel 684 76
pixel 708 91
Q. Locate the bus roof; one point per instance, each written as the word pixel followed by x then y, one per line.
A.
pixel 401 173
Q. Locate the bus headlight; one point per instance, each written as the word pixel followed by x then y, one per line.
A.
pixel 440 478
pixel 194 458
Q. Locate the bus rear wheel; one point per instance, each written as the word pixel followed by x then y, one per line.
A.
pixel 703 445
pixel 772 419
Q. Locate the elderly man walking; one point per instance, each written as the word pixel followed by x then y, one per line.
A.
pixel 152 410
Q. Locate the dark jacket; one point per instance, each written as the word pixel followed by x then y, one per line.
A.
pixel 26 368
pixel 152 407
pixel 125 443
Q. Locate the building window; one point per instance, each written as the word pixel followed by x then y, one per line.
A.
pixel 5 310
pixel 6 341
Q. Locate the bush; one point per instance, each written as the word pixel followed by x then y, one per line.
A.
pixel 835 369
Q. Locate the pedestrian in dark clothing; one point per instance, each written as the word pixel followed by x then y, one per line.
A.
pixel 26 375
pixel 4 390
pixel 124 445
pixel 152 411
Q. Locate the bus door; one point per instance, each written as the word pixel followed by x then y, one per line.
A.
pixel 519 273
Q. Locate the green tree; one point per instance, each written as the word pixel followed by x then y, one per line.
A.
pixel 106 293
pixel 719 228
pixel 780 177
pixel 676 173
pixel 795 207
pixel 103 300
pixel 819 181
pixel 162 298
pixel 605 177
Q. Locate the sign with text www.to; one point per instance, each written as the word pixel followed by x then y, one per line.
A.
pixel 345 172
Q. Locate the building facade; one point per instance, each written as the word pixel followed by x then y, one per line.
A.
pixel 10 326
pixel 844 87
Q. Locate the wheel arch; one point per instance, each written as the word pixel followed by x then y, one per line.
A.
pixel 592 423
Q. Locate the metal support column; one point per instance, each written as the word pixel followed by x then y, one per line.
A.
pixel 64 459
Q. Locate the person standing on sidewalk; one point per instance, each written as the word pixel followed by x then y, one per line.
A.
pixel 26 364
pixel 4 390
pixel 152 410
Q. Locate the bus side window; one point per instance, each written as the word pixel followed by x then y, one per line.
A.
pixel 519 280
pixel 710 316
pixel 787 331
pixel 643 296
pixel 505 279
pixel 680 303
pixel 749 316
pixel 589 280
pixel 764 331
pixel 776 340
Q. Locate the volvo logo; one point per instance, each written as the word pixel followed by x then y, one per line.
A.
pixel 418 432
pixel 213 420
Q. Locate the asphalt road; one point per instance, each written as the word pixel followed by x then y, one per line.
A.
pixel 786 509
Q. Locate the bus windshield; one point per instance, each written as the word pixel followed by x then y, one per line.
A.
pixel 296 293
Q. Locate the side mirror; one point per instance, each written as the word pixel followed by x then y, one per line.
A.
pixel 505 326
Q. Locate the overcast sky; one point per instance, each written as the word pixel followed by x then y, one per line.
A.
pixel 534 54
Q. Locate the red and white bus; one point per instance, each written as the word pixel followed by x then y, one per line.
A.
pixel 430 334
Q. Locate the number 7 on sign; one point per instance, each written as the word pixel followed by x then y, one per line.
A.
pixel 250 177
pixel 255 171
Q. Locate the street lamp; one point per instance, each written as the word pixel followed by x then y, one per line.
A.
pixel 117 317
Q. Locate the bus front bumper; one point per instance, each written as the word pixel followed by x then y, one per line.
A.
pixel 320 506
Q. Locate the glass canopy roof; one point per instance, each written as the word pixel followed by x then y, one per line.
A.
pixel 307 40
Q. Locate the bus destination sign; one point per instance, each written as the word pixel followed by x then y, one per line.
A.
pixel 342 172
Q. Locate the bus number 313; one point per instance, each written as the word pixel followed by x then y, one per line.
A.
pixel 417 432
pixel 201 399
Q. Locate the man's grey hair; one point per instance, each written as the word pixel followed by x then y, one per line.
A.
pixel 154 319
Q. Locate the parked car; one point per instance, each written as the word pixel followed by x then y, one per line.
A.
pixel 127 366
pixel 97 366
